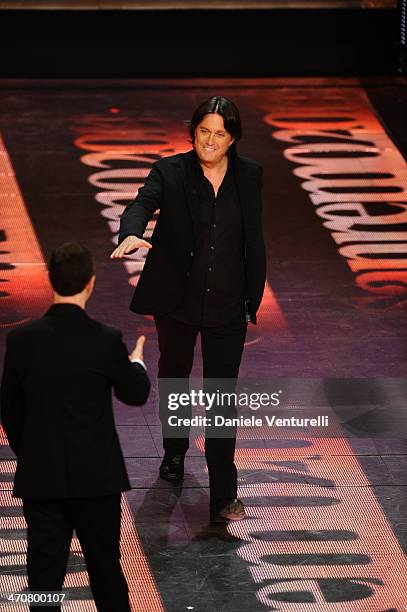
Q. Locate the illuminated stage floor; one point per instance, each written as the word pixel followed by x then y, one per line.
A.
pixel 327 524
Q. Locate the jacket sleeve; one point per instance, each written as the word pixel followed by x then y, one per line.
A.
pixel 131 384
pixel 12 401
pixel 256 257
pixel 138 213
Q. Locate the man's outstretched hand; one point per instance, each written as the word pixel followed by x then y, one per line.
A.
pixel 138 349
pixel 129 244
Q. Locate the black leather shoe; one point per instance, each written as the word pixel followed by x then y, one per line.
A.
pixel 231 512
pixel 172 469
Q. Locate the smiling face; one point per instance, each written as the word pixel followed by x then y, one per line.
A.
pixel 212 141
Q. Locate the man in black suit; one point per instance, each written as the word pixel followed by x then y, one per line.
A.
pixel 56 410
pixel 204 273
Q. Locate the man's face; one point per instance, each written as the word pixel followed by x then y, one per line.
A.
pixel 211 139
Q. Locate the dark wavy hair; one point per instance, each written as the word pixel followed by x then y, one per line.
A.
pixel 224 107
pixel 71 266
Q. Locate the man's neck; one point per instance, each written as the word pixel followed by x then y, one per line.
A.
pixel 218 168
pixel 78 300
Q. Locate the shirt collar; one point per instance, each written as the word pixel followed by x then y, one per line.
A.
pixel 198 166
pixel 66 309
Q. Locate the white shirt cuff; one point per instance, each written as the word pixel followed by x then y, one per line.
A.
pixel 140 361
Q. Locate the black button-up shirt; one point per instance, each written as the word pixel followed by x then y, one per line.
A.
pixel 216 283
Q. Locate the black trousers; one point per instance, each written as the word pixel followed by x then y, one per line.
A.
pixel 222 349
pixel 96 520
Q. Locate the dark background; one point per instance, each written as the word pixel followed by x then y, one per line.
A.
pixel 186 43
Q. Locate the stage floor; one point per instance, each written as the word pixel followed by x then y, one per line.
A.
pixel 327 519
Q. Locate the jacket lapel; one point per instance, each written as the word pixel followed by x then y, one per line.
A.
pixel 191 194
pixel 246 187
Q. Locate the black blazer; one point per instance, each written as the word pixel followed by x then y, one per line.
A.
pixel 170 188
pixel 56 404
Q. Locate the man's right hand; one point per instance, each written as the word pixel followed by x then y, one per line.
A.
pixel 138 349
pixel 129 244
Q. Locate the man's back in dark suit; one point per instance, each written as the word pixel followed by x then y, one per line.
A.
pixel 56 408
